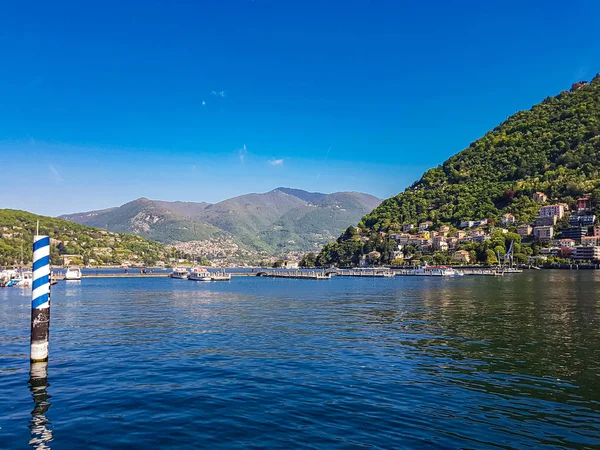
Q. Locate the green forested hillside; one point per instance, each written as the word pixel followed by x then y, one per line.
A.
pixel 554 147
pixel 278 222
pixel 17 229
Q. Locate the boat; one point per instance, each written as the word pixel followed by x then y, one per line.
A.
pixel 73 274
pixel 4 278
pixel 435 271
pixel 199 274
pixel 179 272
pixel 7 278
pixel 16 278
pixel 26 279
pixel 220 276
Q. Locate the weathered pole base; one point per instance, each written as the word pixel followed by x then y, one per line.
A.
pixel 39 352
pixel 40 327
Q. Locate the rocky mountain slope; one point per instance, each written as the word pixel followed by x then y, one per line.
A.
pixel 275 223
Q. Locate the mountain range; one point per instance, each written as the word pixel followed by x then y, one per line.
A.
pixel 276 223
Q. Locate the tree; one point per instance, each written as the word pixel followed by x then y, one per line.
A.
pixel 350 233
pixel 520 258
pixel 491 258
pixel 441 258
pixel 309 260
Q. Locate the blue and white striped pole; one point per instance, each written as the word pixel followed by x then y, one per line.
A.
pixel 40 303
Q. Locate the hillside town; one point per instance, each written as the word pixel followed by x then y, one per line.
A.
pixel 558 234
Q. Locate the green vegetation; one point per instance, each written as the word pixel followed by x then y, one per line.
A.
pixel 90 245
pixel 275 223
pixel 553 148
pixel 309 260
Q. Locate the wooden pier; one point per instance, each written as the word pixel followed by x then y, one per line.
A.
pixel 297 274
pixel 61 277
pixel 303 274
pixel 483 272
pixel 363 273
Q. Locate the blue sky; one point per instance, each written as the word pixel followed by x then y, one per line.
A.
pixel 104 102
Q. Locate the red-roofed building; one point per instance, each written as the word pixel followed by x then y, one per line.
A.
pixel 584 204
pixel 507 219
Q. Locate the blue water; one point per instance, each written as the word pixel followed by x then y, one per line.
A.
pixel 509 362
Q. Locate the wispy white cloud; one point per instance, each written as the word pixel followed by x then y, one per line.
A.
pixel 326 158
pixel 276 162
pixel 242 152
pixel 55 174
pixel 221 94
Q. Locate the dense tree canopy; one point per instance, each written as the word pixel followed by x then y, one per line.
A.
pixel 17 229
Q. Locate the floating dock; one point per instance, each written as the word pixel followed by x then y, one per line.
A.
pixel 483 272
pixel 298 274
pixel 363 273
pixel 61 277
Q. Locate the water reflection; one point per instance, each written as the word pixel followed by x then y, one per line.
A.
pixel 41 434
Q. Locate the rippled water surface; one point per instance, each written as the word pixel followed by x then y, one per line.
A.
pixel 508 362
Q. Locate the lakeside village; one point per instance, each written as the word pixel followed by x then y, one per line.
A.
pixel 557 236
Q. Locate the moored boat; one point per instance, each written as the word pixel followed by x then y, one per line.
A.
pixel 179 272
pixel 73 274
pixel 199 274
pixel 10 278
pixel 4 278
pixel 26 279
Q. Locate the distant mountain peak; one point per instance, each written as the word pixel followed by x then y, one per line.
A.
pixel 277 222
pixel 311 197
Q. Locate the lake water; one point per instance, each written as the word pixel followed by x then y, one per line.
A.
pixel 472 362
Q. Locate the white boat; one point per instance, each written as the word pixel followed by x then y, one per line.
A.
pixel 179 272
pixel 9 278
pixel 26 279
pixel 199 274
pixel 435 271
pixel 73 274
pixel 4 278
pixel 16 278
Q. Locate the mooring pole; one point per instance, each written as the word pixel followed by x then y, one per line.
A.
pixel 40 299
